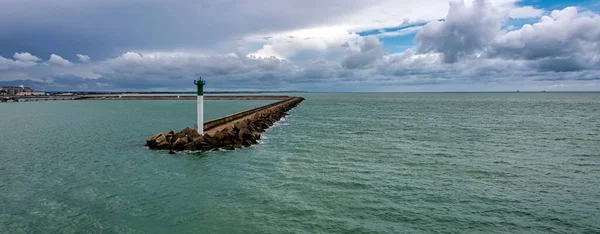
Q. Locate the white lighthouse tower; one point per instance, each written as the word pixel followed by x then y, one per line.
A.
pixel 200 102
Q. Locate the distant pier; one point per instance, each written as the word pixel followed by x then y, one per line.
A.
pixel 179 97
pixel 137 97
pixel 36 98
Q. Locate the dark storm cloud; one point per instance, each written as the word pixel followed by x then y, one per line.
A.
pixel 106 28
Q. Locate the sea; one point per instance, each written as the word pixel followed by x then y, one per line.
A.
pixel 339 163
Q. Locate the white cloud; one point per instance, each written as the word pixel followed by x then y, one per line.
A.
pixel 365 68
pixel 55 59
pixel 83 58
pixel 267 51
pixel 465 31
pixel 302 44
pixel 563 41
pixel 362 53
pixel 6 64
pixel 25 57
pixel 322 41
pixel 525 12
pixel 401 32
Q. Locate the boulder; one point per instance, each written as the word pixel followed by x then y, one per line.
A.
pixel 184 139
pixel 206 147
pixel 229 147
pixel 237 141
pixel 190 146
pixel 244 133
pixel 179 135
pixel 160 138
pixel 201 145
pixel 198 140
pixel 220 136
pixel 210 140
pixel 193 134
pixel 231 134
pixel 187 130
pixel 163 145
pixel 178 144
pixel 251 127
pixel 152 138
pixel 241 125
pixel 234 128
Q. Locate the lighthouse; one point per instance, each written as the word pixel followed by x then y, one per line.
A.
pixel 200 103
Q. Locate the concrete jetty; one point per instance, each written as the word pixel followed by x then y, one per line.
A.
pixel 139 97
pixel 230 132
pixel 36 98
pixel 179 97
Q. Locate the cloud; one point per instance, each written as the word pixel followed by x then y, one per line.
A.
pixel 206 26
pixel 472 48
pixel 25 57
pixel 303 44
pixel 83 58
pixel 525 12
pixel 22 60
pixel 363 53
pixel 182 25
pixel 408 71
pixel 401 32
pixel 563 41
pixel 465 31
pixel 55 59
pixel 566 40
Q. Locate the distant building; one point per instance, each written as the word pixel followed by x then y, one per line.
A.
pixel 18 91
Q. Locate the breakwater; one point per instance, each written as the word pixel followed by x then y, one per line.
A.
pixel 179 97
pixel 137 97
pixel 36 98
pixel 230 132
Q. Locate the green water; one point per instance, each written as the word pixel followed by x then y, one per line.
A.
pixel 340 163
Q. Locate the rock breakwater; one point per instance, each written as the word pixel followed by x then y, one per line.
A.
pixel 230 132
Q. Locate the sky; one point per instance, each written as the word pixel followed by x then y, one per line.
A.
pixel 301 45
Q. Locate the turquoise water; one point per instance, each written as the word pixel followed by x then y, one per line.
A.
pixel 340 163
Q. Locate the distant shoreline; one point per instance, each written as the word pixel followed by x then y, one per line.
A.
pixel 276 92
pixel 172 93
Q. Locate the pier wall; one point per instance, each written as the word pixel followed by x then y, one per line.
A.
pixel 230 118
pixel 179 97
